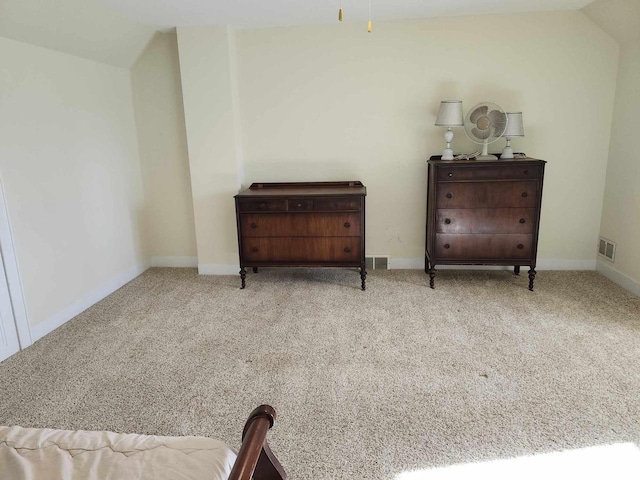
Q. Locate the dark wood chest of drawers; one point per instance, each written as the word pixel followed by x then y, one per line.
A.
pixel 483 212
pixel 309 224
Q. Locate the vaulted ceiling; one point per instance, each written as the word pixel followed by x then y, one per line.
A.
pixel 619 18
pixel 117 31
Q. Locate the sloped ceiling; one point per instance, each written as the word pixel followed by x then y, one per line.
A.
pixel 619 18
pixel 84 28
pixel 117 31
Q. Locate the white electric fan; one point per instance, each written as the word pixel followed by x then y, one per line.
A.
pixel 484 124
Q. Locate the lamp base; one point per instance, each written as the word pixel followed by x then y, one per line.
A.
pixel 447 154
pixel 507 152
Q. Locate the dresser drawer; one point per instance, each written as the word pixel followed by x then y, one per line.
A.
pixel 295 225
pixel 301 249
pixel 483 247
pixel 487 194
pixel 485 220
pixel 337 203
pixel 262 205
pixel 474 172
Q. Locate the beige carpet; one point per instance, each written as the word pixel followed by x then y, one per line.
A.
pixel 366 384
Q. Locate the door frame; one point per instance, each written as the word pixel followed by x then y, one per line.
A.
pixel 14 281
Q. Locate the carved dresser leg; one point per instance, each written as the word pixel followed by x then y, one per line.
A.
pixel 255 269
pixel 243 277
pixel 532 277
pixel 432 276
pixel 516 270
pixel 363 277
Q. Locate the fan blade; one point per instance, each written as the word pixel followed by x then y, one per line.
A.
pixel 481 134
pixel 477 113
pixel 498 121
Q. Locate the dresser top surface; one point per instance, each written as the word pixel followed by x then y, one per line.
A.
pixel 436 160
pixel 315 189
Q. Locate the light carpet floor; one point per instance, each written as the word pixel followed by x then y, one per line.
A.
pixel 367 385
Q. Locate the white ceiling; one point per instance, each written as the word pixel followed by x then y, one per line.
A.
pixel 117 31
pixel 267 13
pixel 619 18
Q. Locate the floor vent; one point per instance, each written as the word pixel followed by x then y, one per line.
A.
pixel 607 248
pixel 377 262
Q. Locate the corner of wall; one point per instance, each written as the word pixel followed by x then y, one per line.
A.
pixel 628 283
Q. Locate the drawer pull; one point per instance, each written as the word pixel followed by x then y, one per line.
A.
pixel 347 250
pixel 253 225
pixel 262 206
pixel 347 224
pixel 447 246
pixel 448 195
pixel 299 205
pixel 450 174
pixel 255 249
pixel 447 221
pixel 522 220
pixel 525 194
pixel 520 246
pixel 526 172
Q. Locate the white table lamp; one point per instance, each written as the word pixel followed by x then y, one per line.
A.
pixel 449 115
pixel 515 128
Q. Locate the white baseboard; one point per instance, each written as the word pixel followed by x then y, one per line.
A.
pixel 406 263
pixel 218 269
pixel 541 264
pixel 565 264
pixel 175 262
pixel 620 278
pixel 91 298
pixel 418 264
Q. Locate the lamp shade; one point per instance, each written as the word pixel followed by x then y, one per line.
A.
pixel 515 127
pixel 450 114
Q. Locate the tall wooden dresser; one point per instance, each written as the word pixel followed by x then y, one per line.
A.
pixel 306 224
pixel 483 212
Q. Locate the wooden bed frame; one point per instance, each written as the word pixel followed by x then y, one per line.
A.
pixel 255 459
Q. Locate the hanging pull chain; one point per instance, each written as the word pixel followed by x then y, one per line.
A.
pixel 370 24
pixel 340 12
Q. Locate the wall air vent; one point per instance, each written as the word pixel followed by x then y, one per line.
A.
pixel 378 262
pixel 607 249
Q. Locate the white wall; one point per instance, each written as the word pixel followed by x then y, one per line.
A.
pixel 157 94
pixel 70 166
pixel 208 72
pixel 331 103
pixel 621 213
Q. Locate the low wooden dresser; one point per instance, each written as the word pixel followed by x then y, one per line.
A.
pixel 483 212
pixel 307 224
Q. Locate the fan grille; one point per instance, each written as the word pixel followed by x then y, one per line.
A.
pixel 485 123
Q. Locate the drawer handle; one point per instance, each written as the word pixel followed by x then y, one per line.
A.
pixel 299 205
pixel 447 221
pixel 448 195
pixel 254 249
pixel 526 172
pixel 347 250
pixel 447 246
pixel 450 174
pixel 520 246
pixel 263 205
pixel 347 224
pixel 522 220
pixel 525 194
pixel 253 225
